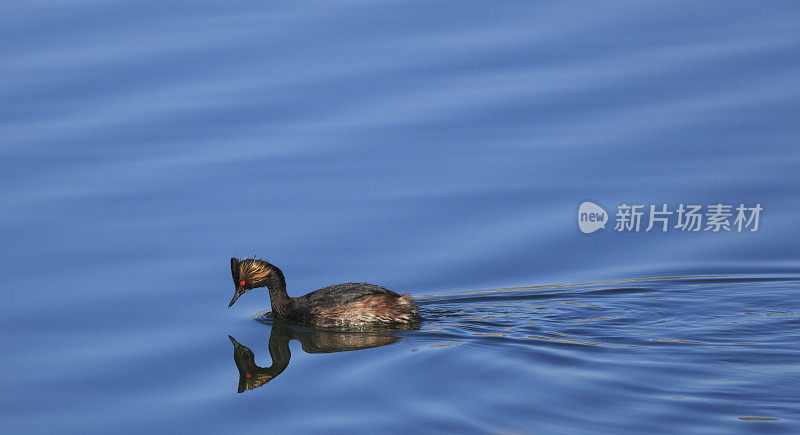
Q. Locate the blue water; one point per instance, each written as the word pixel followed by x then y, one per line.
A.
pixel 439 149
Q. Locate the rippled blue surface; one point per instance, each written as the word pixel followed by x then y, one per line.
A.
pixel 437 148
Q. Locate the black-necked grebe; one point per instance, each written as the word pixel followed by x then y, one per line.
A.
pixel 251 375
pixel 341 305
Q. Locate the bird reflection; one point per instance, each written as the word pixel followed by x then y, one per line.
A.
pixel 312 341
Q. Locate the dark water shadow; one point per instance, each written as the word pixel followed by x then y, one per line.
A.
pixel 253 376
pixel 704 315
pixel 653 284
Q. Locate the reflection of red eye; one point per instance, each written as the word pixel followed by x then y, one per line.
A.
pixel 241 282
pixel 248 375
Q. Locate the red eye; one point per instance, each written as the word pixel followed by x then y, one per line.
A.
pixel 248 375
pixel 241 282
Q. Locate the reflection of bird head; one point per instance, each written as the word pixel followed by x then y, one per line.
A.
pixel 250 374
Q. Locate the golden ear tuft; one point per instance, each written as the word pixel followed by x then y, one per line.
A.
pixel 253 271
pixel 257 380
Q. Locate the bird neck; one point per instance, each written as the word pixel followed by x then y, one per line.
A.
pixel 278 298
pixel 278 351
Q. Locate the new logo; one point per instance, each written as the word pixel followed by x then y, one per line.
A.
pixel 591 217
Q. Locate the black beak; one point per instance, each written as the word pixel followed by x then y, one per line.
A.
pixel 239 292
pixel 235 343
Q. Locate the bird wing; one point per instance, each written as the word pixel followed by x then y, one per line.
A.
pixel 343 293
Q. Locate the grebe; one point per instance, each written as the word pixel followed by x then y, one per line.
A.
pixel 251 375
pixel 341 305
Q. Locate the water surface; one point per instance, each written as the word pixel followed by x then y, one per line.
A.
pixel 439 149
